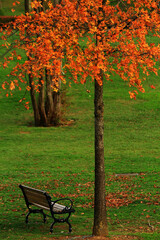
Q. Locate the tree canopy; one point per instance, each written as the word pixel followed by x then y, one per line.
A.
pixel 49 36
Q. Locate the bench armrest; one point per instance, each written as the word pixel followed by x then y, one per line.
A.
pixel 64 199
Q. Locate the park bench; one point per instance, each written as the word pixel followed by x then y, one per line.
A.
pixel 38 200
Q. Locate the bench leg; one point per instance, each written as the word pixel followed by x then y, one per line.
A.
pixel 36 211
pixel 51 227
pixel 67 221
pixel 70 227
pixel 44 216
pixel 27 217
pixel 56 220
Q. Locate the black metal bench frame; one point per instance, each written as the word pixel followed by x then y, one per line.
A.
pixel 42 200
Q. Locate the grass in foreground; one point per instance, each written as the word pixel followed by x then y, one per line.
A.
pixel 61 161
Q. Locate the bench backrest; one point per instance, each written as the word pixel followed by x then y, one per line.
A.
pixel 36 197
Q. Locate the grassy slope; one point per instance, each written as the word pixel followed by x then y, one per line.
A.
pixel 61 160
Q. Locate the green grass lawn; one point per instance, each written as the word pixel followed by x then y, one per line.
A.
pixel 60 160
pixel 7 5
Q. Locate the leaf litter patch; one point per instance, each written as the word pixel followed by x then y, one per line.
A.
pixel 119 237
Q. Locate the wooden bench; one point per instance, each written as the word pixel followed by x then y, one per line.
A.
pixel 38 200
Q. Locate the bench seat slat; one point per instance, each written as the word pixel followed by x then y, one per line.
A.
pixel 33 193
pixel 41 206
pixel 36 197
pixel 58 207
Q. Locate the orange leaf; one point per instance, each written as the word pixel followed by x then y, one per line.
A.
pixel 152 86
pixel 19 57
pixel 3 86
pixel 5 65
pixel 132 95
pixel 12 86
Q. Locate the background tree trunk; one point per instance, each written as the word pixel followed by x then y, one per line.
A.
pixel 41 104
pixel 27 5
pixel 49 105
pixel 46 106
pixel 57 107
pixel 57 95
pixel 34 102
pixel 100 218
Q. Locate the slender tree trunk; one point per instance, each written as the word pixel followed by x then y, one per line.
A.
pixel 41 104
pixel 55 2
pixel 57 108
pixel 100 213
pixel 100 218
pixel 49 106
pixel 46 106
pixel 34 102
pixel 27 6
pixel 32 92
pixel 57 95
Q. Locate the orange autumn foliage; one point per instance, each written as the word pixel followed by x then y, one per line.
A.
pixel 116 41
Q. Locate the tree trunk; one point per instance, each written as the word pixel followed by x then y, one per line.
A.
pixel 41 104
pixel 55 2
pixel 100 218
pixel 46 106
pixel 57 108
pixel 34 102
pixel 27 6
pixel 49 105
pixel 100 214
